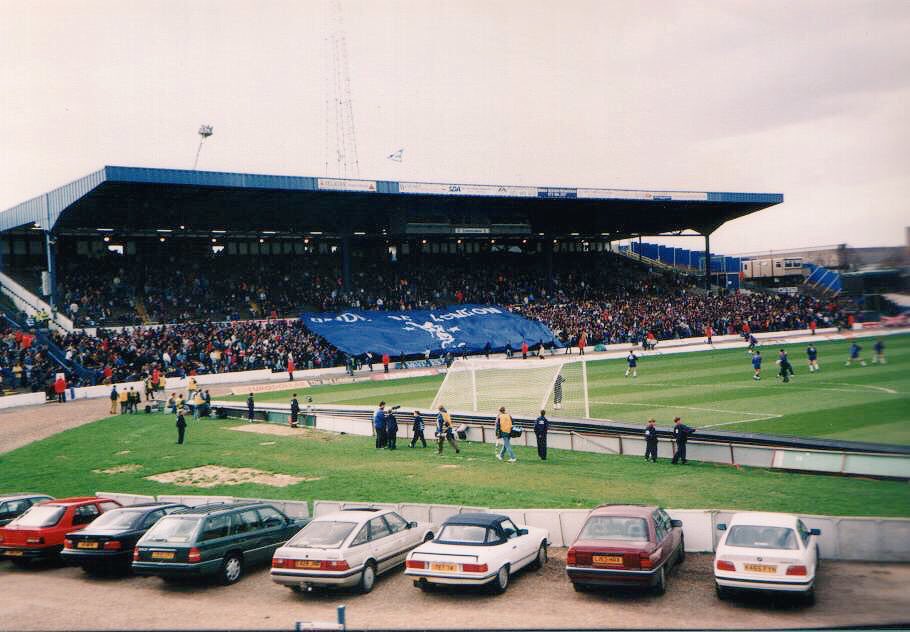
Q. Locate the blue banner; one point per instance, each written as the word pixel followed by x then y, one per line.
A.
pixel 457 329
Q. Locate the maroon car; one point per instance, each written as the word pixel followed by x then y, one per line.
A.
pixel 625 545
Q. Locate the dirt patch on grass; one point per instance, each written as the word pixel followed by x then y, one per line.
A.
pixel 286 431
pixel 268 443
pixel 123 452
pixel 445 467
pixel 120 469
pixel 215 475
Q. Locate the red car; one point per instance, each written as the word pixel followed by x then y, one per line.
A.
pixel 626 546
pixel 40 531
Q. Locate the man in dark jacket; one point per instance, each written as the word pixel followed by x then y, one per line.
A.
pixel 295 411
pixel 181 425
pixel 541 426
pixel 391 430
pixel 379 425
pixel 681 434
pixel 651 441
pixel 250 408
pixel 417 430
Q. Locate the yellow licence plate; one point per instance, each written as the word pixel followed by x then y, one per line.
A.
pixel 162 555
pixel 306 564
pixel 443 567
pixel 86 545
pixel 615 560
pixel 760 568
pixel 15 553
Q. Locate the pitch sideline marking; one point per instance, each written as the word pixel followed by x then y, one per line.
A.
pixel 709 410
pixel 883 389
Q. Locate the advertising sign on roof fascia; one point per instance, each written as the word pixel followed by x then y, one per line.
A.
pixel 466 189
pixel 620 194
pixel 334 184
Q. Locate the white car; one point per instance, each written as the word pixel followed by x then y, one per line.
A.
pixel 347 548
pixel 767 552
pixel 477 549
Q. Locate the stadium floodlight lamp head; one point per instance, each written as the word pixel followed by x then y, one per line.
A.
pixel 204 132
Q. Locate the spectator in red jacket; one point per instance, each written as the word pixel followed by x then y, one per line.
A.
pixel 60 389
pixel 290 368
pixel 524 350
pixel 385 362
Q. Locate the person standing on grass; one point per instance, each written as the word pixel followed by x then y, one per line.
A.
pixel 681 434
pixel 417 430
pixel 632 360
pixel 115 397
pixel 756 365
pixel 541 426
pixel 582 342
pixel 753 342
pixel 878 349
pixel 854 355
pixel 250 408
pixel 557 391
pixel 812 354
pixel 181 425
pixel 786 369
pixel 391 430
pixel 379 425
pixel 651 441
pixel 445 431
pixel 504 432
pixel 295 411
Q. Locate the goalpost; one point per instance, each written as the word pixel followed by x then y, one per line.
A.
pixel 524 387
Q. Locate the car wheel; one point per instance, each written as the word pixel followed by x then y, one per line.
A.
pixel 501 583
pixel 661 586
pixel 20 563
pixel 809 597
pixel 367 578
pixel 681 557
pixel 541 560
pixel 581 588
pixel 722 593
pixel 231 569
pixel 424 586
pixel 297 588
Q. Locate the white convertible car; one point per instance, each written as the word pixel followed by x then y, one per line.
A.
pixel 477 549
pixel 347 548
pixel 766 551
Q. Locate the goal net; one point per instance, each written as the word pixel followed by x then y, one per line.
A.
pixel 524 387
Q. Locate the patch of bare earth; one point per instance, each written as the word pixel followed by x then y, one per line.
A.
pixel 119 469
pixel 215 475
pixel 285 431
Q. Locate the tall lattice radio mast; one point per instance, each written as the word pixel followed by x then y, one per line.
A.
pixel 339 108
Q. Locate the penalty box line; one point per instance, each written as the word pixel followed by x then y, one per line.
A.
pixel 752 416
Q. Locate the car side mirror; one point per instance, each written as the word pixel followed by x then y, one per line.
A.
pixel 522 532
pixel 412 525
pixel 721 526
pixel 815 531
pixel 676 523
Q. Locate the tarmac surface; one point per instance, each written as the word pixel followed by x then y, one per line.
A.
pixel 52 597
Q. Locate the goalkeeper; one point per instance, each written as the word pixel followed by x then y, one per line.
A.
pixel 557 391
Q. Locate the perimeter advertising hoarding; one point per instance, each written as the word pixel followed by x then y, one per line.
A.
pixel 459 329
pixel 620 194
pixel 466 189
pixel 335 184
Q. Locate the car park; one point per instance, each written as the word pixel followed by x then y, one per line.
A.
pixel 107 543
pixel 39 532
pixel 347 548
pixel 625 546
pixel 14 505
pixel 215 540
pixel 766 552
pixel 476 549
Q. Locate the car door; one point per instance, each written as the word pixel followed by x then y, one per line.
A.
pixel 663 537
pixel 810 546
pixel 675 532
pixel 519 547
pixel 246 527
pixel 274 529
pixel 382 545
pixel 400 540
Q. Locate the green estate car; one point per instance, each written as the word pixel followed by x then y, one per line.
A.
pixel 213 540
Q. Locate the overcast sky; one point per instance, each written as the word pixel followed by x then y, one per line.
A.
pixel 809 99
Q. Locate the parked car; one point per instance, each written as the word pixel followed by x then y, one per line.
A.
pixel 40 531
pixel 14 505
pixel 477 549
pixel 217 540
pixel 766 551
pixel 347 548
pixel 625 546
pixel 107 543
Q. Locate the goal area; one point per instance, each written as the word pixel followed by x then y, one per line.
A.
pixel 524 387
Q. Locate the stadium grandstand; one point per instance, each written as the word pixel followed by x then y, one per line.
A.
pixel 226 264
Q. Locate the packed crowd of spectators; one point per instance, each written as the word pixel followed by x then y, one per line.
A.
pixel 24 363
pixel 209 301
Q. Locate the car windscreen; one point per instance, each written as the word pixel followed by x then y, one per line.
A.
pixel 40 516
pixel 322 534
pixel 615 528
pixel 756 537
pixel 462 534
pixel 172 529
pixel 118 519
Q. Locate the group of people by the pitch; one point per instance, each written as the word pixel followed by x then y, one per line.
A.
pixel 680 433
pixel 785 368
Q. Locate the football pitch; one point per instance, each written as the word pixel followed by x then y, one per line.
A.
pixel 715 389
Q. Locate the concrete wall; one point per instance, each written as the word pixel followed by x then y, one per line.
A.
pixel 25 399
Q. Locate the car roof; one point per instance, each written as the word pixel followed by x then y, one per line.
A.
pixel 478 519
pixel 635 511
pixel 20 496
pixel 78 500
pixel 212 508
pixel 357 515
pixel 151 506
pixel 763 519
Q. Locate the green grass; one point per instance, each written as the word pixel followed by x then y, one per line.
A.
pixel 349 468
pixel 714 388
